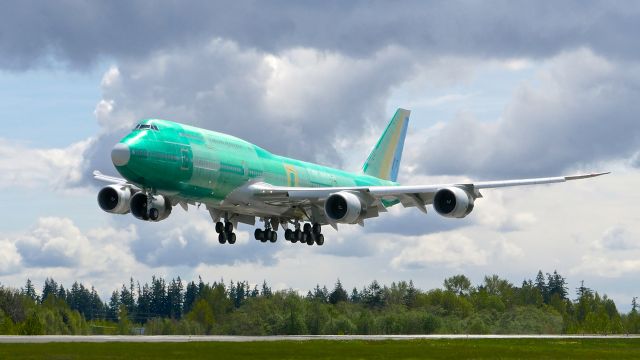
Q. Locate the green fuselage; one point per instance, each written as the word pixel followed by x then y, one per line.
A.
pixel 204 166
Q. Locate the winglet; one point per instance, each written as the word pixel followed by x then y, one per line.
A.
pixel 585 176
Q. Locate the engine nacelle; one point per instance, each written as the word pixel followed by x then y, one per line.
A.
pixel 114 199
pixel 160 207
pixel 344 207
pixel 453 202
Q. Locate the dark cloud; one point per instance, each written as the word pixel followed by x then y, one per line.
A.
pixel 80 32
pixel 297 105
pixel 580 110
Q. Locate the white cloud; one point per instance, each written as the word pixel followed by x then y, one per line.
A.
pixel 617 238
pixel 26 167
pixel 570 114
pixel 607 266
pixel 10 259
pixel 53 242
pixel 449 250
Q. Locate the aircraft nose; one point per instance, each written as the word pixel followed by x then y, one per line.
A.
pixel 120 154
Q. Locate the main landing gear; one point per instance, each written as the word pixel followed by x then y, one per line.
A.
pixel 225 232
pixel 268 234
pixel 309 234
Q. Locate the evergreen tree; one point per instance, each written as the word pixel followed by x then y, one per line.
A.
pixel 541 285
pixel 557 285
pixel 114 306
pixel 30 291
pixel 266 290
pixel 190 296
pixel 355 296
pixel 338 294
pixel 175 298
pixel 50 289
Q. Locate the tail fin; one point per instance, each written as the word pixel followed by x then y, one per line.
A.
pixel 384 160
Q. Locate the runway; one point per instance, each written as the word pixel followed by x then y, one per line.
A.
pixel 216 338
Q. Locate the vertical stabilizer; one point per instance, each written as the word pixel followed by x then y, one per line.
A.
pixel 384 160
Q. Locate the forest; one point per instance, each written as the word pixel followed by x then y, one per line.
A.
pixel 543 305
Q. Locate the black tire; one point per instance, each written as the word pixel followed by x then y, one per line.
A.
pixel 316 229
pixel 297 235
pixel 274 236
pixel 306 228
pixel 228 227
pixel 219 227
pixel 154 214
pixel 221 238
pixel 288 234
pixel 267 235
pixel 320 239
pixel 232 238
pixel 258 234
pixel 310 240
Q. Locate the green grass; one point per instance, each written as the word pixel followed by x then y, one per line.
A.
pixel 322 349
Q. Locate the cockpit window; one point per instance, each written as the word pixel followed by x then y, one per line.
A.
pixel 145 127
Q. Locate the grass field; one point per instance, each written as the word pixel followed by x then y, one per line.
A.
pixel 323 349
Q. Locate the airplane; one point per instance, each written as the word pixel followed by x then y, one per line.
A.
pixel 165 164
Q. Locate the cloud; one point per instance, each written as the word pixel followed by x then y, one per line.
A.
pixel 300 103
pixel 617 238
pixel 80 33
pixel 10 259
pixel 607 266
pixel 570 115
pixel 53 242
pixel 27 167
pixel 189 239
pixel 450 250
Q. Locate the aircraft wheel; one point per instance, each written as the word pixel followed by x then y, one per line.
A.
pixel 320 239
pixel 258 234
pixel 228 227
pixel 310 239
pixel 306 228
pixel 316 229
pixel 232 238
pixel 274 236
pixel 267 235
pixel 219 227
pixel 221 238
pixel 154 214
pixel 288 235
pixel 297 235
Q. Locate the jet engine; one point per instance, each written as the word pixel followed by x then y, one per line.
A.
pixel 344 207
pixel 160 208
pixel 453 202
pixel 114 199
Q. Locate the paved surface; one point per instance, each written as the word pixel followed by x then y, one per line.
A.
pixel 182 338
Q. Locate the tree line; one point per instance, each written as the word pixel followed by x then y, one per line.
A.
pixel 542 305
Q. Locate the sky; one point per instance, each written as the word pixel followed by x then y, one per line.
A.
pixel 498 90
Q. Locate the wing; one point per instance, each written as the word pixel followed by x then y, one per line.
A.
pixel 380 196
pixel 108 179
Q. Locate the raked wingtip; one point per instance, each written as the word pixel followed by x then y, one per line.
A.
pixel 586 176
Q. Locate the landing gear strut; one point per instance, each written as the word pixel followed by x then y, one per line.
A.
pixel 225 232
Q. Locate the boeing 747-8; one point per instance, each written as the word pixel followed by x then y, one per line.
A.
pixel 165 164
